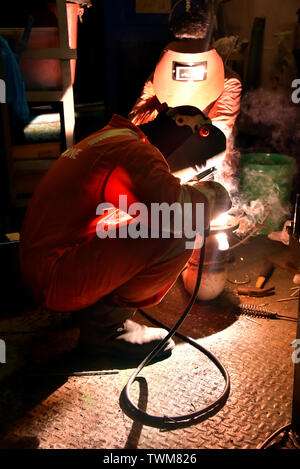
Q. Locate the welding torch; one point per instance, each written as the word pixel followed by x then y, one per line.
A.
pixel 205 174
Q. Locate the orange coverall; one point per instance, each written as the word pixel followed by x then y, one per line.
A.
pixel 64 264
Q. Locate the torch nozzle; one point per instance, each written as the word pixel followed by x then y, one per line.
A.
pixel 205 173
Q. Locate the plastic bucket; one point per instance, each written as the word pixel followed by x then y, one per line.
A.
pixel 268 177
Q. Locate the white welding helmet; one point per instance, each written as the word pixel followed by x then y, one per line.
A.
pixel 187 76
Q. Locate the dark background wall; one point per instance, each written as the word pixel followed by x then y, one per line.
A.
pixel 117 47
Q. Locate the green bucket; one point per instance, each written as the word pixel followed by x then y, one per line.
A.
pixel 268 177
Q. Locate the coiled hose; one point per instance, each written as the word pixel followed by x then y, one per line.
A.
pixel 182 420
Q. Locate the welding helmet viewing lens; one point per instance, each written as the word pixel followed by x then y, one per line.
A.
pixel 186 75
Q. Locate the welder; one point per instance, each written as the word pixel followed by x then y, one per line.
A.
pixel 67 265
pixel 190 72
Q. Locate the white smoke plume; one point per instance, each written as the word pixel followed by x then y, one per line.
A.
pixel 278 131
pixel 272 119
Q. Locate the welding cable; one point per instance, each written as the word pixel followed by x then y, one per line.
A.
pixel 285 428
pixel 166 421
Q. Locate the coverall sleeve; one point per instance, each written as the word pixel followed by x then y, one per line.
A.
pixel 223 113
pixel 147 106
pixel 150 180
pixel 227 107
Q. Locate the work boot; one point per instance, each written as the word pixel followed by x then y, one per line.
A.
pixel 107 331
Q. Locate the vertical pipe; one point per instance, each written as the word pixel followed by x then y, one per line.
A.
pixel 294 240
pixel 296 391
pixel 296 224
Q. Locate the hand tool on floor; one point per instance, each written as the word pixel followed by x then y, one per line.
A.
pixel 289 266
pixel 263 276
pixel 265 273
pixel 253 291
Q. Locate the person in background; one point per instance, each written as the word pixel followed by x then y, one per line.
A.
pixel 218 95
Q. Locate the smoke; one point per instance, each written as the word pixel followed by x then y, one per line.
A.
pixel 270 121
pixel 257 210
pixel 249 209
pixel 226 175
pixel 260 193
pixel 248 215
pixel 251 212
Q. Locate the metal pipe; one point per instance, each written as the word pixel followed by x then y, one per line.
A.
pixel 296 223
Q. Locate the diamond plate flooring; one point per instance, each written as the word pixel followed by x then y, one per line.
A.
pixel 51 411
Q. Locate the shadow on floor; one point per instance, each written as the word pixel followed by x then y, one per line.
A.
pixel 204 319
pixel 25 390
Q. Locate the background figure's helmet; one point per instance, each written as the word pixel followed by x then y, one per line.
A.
pixel 189 72
pixel 185 75
pixel 185 137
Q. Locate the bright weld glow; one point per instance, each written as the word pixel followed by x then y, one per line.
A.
pixel 199 73
pixel 191 73
pixel 220 220
pixel 223 241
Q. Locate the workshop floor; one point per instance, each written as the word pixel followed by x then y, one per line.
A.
pixel 41 407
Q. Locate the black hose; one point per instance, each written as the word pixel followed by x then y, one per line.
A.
pixel 264 445
pixel 165 421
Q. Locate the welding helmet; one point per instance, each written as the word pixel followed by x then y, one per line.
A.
pixel 185 137
pixel 187 75
pixel 189 72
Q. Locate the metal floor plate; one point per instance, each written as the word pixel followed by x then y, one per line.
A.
pixel 84 412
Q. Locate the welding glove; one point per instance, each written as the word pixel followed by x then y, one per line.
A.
pixel 217 196
pixel 106 330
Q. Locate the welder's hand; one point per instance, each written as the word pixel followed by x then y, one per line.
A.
pixel 218 197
